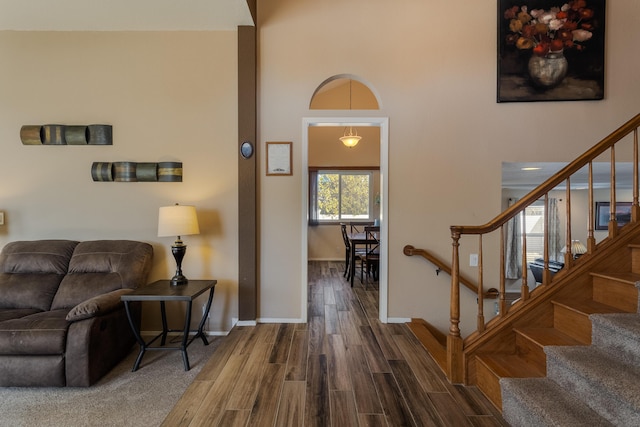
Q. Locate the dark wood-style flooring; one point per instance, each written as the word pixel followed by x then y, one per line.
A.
pixel 342 368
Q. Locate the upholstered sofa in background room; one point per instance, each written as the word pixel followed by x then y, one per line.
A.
pixel 61 319
pixel 537 268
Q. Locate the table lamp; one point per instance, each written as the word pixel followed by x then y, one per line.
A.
pixel 576 249
pixel 178 220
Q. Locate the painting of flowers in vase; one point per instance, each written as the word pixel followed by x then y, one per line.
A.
pixel 550 50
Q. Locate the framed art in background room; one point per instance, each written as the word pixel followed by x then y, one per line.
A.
pixel 603 214
pixel 551 50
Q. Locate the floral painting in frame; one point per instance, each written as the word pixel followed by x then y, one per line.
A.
pixel 551 50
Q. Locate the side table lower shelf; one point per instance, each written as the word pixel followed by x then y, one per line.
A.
pixel 162 291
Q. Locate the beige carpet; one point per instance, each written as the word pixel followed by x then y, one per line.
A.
pixel 121 398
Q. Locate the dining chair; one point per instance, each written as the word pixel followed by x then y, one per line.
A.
pixel 356 226
pixel 359 253
pixel 371 259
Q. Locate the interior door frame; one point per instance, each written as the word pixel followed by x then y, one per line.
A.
pixel 383 124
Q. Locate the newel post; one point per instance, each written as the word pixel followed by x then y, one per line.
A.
pixel 454 341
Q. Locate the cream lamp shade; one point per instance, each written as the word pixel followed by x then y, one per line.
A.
pixel 577 248
pixel 177 220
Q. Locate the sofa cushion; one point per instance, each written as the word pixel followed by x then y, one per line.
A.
pixel 40 333
pixel 101 266
pixel 16 313
pixel 97 305
pixel 31 271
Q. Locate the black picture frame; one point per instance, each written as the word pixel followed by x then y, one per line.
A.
pixel 585 59
pixel 603 214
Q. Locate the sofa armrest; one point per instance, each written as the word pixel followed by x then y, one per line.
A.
pixel 97 305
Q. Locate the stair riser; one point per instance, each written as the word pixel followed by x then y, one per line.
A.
pixel 576 325
pixel 635 260
pixel 623 296
pixel 489 383
pixel 532 351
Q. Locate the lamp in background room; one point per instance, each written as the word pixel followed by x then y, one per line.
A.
pixel 350 139
pixel 577 249
pixel 178 220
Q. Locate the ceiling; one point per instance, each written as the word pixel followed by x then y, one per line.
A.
pixel 123 15
pixel 514 177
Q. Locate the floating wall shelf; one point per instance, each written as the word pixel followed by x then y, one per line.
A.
pixel 66 135
pixel 136 172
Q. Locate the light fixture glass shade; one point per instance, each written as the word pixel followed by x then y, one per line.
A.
pixel 177 220
pixel 350 139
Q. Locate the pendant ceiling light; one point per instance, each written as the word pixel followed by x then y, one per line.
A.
pixel 350 139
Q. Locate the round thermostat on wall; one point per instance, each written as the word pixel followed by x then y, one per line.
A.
pixel 246 149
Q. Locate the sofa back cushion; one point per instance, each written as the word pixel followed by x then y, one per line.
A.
pixel 102 266
pixel 31 271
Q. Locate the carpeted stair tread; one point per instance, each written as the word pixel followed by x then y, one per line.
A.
pixel 608 385
pixel 539 402
pixel 618 334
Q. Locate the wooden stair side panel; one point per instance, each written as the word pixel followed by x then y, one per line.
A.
pixel 572 322
pixel 572 317
pixel 635 257
pixel 491 367
pixel 530 343
pixel 434 341
pixel 616 290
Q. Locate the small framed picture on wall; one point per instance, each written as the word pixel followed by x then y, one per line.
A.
pixel 279 158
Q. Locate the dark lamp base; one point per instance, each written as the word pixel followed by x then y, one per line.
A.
pixel 178 250
pixel 179 280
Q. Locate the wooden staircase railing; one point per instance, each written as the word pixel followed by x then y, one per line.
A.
pixel 456 345
pixel 408 250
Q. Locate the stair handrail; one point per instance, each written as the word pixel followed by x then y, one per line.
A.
pixel 455 343
pixel 409 250
pixel 552 182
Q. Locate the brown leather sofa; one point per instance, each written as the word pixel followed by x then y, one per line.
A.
pixel 61 319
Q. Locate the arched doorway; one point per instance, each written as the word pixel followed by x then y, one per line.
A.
pixel 348 95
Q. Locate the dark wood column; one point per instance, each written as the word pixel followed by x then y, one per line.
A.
pixel 247 174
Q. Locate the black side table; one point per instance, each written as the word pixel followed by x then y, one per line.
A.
pixel 163 291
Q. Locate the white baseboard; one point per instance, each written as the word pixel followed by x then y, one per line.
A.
pixel 245 323
pixel 398 319
pixel 276 320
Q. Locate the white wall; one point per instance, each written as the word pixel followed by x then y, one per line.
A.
pixel 433 66
pixel 169 97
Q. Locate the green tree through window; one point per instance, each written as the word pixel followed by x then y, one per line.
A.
pixel 343 195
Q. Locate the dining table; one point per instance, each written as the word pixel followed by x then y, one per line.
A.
pixel 360 239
